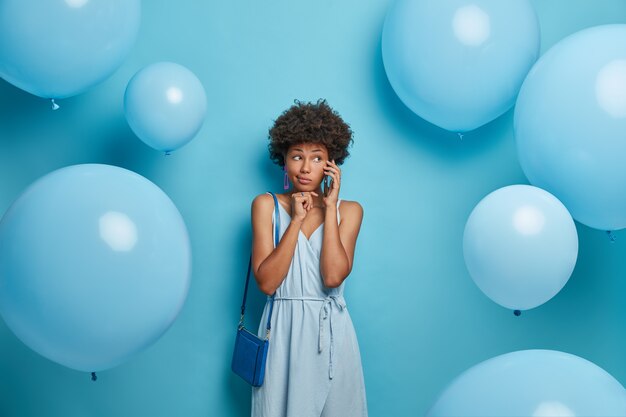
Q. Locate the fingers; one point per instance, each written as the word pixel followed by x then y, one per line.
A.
pixel 304 199
pixel 303 196
pixel 309 199
pixel 300 197
pixel 332 169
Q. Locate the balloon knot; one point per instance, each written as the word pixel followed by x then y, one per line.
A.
pixel 54 105
pixel 517 313
pixel 611 236
pixel 460 135
pixel 93 376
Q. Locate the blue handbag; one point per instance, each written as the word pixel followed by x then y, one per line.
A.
pixel 250 352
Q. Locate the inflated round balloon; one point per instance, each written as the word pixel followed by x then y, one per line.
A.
pixel 94 265
pixel 459 64
pixel 534 383
pixel 165 105
pixel 520 246
pixel 570 124
pixel 57 49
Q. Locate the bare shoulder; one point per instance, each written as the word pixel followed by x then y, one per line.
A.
pixel 262 203
pixel 263 199
pixel 351 210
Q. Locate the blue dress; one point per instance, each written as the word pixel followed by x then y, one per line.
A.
pixel 313 365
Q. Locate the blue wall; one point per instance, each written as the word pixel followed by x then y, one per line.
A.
pixel 419 317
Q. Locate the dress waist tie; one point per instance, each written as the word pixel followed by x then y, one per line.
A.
pixel 325 313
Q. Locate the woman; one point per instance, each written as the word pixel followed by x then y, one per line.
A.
pixel 313 364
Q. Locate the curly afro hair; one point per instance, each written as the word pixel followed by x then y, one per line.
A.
pixel 310 123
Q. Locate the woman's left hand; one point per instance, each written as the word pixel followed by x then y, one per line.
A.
pixel 334 172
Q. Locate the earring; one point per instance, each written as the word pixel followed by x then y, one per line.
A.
pixel 285 179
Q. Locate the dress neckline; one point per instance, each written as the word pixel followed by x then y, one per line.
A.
pixel 308 239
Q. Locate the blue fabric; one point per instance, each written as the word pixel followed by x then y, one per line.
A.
pixel 313 364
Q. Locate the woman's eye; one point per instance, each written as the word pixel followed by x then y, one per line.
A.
pixel 296 157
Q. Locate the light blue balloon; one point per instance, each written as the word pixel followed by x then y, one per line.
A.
pixel 520 246
pixel 165 105
pixel 532 383
pixel 570 125
pixel 60 48
pixel 94 265
pixel 456 63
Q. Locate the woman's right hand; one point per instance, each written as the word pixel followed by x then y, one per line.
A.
pixel 301 204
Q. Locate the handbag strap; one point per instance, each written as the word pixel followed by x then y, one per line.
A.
pixel 245 292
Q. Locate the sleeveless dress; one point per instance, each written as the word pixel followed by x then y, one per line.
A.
pixel 313 364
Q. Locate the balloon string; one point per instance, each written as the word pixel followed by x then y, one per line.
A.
pixel 93 376
pixel 611 236
pixel 54 105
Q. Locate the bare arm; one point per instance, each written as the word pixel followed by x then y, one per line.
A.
pixel 271 265
pixel 339 242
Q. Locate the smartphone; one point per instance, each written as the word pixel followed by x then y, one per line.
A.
pixel 328 184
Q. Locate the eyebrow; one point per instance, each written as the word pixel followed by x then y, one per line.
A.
pixel 301 150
